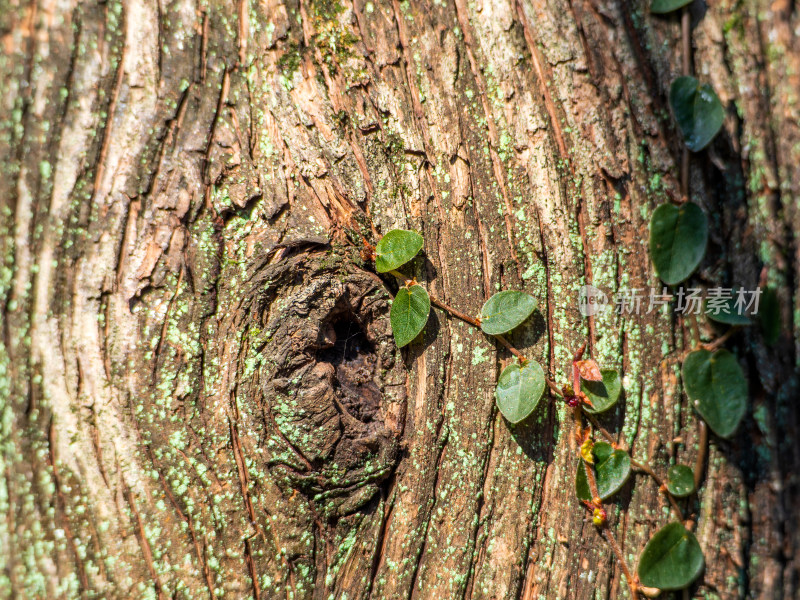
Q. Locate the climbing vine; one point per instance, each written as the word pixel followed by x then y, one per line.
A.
pixel 603 467
pixel 713 380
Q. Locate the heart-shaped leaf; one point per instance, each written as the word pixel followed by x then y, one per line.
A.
pixel 718 389
pixel 602 394
pixel 506 310
pixel 660 7
pixel 697 110
pixel 409 314
pixel 671 560
pixel 396 248
pixel 519 390
pixel 680 481
pixel 611 468
pixel 678 236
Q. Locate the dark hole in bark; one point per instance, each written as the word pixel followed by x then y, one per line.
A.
pixel 354 361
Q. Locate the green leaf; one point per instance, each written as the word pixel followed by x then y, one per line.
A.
pixel 697 110
pixel 506 310
pixel 519 390
pixel 603 394
pixel 671 560
pixel 611 468
pixel 678 236
pixel 660 7
pixel 409 314
pixel 680 481
pixel 716 386
pixel 396 248
pixel 726 311
pixel 769 315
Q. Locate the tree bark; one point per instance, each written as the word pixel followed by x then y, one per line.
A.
pixel 199 391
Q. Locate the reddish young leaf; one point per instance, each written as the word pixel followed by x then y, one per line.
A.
pixel 589 370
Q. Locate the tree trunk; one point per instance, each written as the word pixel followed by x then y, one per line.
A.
pixel 200 392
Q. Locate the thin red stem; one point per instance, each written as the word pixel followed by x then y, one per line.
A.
pixel 633 584
pixel 660 483
pixel 592 483
pixel 553 387
pixel 686 40
pixel 612 541
pixel 686 66
pixel 597 503
pixel 609 438
pixel 717 343
pixel 510 348
pixel 460 315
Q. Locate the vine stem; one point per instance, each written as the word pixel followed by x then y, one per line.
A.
pixel 460 315
pixel 686 22
pixel 596 502
pixel 553 387
pixel 592 481
pixel 593 486
pixel 717 343
pixel 685 174
pixel 612 541
pixel 607 535
pixel 509 347
pixel 686 40
pixel 686 25
pixel 609 438
pixel 642 466
pixel 660 483
pixel 590 476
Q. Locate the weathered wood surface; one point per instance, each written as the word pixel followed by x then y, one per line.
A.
pixel 180 414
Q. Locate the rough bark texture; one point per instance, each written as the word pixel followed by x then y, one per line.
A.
pixel 199 395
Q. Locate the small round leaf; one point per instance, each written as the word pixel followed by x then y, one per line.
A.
pixel 506 310
pixel 602 394
pixel 660 7
pixel 678 236
pixel 611 468
pixel 519 390
pixel 698 111
pixel 680 481
pixel 396 248
pixel 717 387
pixel 409 314
pixel 672 559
